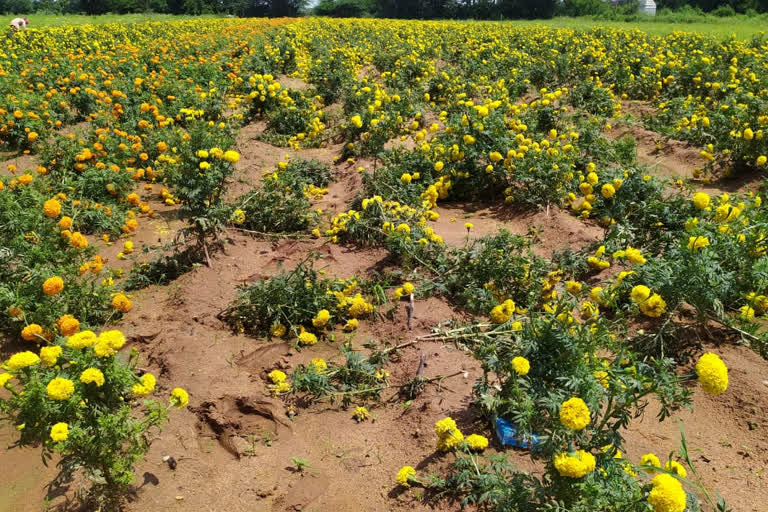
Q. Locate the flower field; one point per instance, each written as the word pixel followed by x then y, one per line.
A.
pixel 303 264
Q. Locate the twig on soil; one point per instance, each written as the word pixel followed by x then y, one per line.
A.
pixel 410 308
pixel 289 236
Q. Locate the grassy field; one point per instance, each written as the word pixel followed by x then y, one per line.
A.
pixel 739 27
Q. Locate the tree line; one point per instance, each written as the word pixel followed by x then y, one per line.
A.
pixel 416 9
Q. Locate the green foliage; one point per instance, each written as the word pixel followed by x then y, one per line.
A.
pixel 108 432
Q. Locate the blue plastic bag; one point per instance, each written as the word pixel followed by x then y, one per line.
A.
pixel 507 434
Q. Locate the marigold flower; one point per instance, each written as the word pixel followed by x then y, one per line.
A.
pixel 146 386
pixel 408 288
pixel 649 459
pixel 49 355
pixel 59 432
pixel 22 360
pixel 321 319
pixel 351 324
pixel 78 241
pixel 654 307
pixel 68 325
pixel 179 398
pixel 122 303
pixel 712 373
pixel 52 208
pixel 575 465
pixel 113 338
pixel 32 332
pixel 232 156
pixel 640 293
pixel 92 375
pixel 477 442
pixel 667 494
pixel 608 191
pixel 60 389
pixel 319 364
pixel 276 376
pixel 676 468
pixel 53 285
pixel 405 475
pixel 697 242
pixel 521 365
pixel 5 378
pixel 449 436
pixel 701 200
pixel 307 338
pixel 278 330
pixel 574 414
pixel 361 414
pixel 82 339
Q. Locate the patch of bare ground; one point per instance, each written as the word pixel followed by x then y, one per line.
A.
pixel 257 157
pixel 554 230
pixel 293 82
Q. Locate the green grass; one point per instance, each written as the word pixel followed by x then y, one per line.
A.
pixel 740 27
pixel 55 20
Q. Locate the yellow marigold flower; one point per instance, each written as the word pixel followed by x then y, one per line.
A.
pixel 592 178
pixel 521 365
pixel 762 160
pixel 408 288
pixel 640 293
pixel 59 432
pixel 232 156
pixel 322 318
pixel 32 332
pixel 578 465
pixel 179 398
pixel 701 200
pixel 468 140
pixel 52 208
pixel 469 226
pixel 477 442
pixel 68 325
pixel 667 494
pixel 748 134
pixel 406 178
pixel 573 286
pixel 278 330
pixel 712 373
pixel 697 242
pixel 359 307
pixel 60 389
pixel 608 191
pixel 83 339
pixel 22 360
pixel 146 386
pixel 103 349
pixel 746 312
pixel 238 216
pixel 361 414
pixel 654 307
pixel 676 468
pixel 307 338
pixel 114 338
pixel 351 324
pixel 49 355
pixel 32 136
pixel 445 426
pixel 649 459
pixel 4 378
pixel 634 256
pixel 602 378
pixel 276 376
pixel 92 375
pixel 574 414
pixel 319 364
pixel 53 285
pixel 405 475
pixel 122 303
